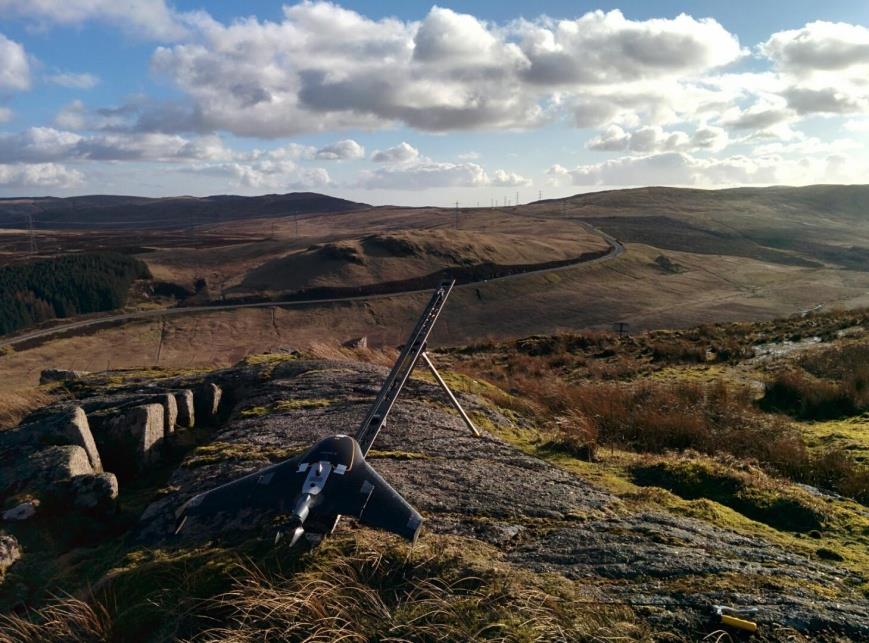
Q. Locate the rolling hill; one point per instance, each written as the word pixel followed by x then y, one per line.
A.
pixel 787 225
pixel 100 211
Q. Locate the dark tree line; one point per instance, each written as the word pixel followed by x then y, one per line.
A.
pixel 64 286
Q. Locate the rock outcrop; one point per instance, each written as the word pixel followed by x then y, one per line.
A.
pixel 206 398
pixel 357 343
pixel 127 400
pixel 186 409
pixel 24 511
pixel 128 438
pixel 10 551
pixel 43 470
pixel 61 426
pixel 96 493
pixel 71 455
pixel 50 375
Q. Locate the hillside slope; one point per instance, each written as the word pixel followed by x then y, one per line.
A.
pixel 527 531
pixel 97 212
pixel 788 225
pixel 398 256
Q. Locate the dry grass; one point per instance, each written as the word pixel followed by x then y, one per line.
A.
pixel 356 587
pixel 808 397
pixel 371 592
pixel 64 620
pixel 17 403
pixel 565 383
pixel 837 469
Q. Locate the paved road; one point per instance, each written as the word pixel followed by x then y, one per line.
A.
pixel 616 250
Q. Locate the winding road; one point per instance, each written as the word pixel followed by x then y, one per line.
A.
pixel 616 250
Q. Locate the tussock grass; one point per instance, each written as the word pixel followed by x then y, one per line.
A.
pixel 17 403
pixel 358 586
pixel 63 620
pixel 808 397
pixel 360 590
pixel 589 390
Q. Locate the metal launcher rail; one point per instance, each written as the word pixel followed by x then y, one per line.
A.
pixel 413 350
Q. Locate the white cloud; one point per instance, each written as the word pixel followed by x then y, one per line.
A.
pixel 614 138
pixel 759 116
pixel 827 100
pixel 424 174
pixel 823 67
pixel 6 114
pixel 608 48
pixel 72 116
pixel 324 68
pixel 681 169
pixel 672 168
pixel 505 179
pixel 656 139
pixel 807 147
pixel 819 46
pixel 144 18
pixel 860 126
pixel 45 144
pixel 14 66
pixel 404 168
pixel 270 175
pixel 44 175
pixel 469 156
pixel 73 80
pixel 401 153
pixel 345 150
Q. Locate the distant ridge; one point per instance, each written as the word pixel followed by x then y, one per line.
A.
pixel 108 211
pixel 848 200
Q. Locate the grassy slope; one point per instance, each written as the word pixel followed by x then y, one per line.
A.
pixel 717 486
pixel 365 586
pixel 407 254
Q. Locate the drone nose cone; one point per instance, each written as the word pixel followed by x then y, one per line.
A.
pixel 297 533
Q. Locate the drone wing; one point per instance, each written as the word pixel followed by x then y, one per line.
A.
pixel 331 479
pixel 364 495
pixel 274 486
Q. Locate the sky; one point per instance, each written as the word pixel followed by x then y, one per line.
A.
pixel 406 103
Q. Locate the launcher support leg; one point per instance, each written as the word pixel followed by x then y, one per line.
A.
pixel 449 393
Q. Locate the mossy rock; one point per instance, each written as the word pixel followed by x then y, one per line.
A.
pixel 748 492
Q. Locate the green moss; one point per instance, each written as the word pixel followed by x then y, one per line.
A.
pixel 302 405
pixel 270 358
pixel 255 411
pixel 851 435
pixel 236 451
pixel 397 455
pixel 284 406
pixel 752 494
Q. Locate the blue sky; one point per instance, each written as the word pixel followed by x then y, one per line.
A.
pixel 410 103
